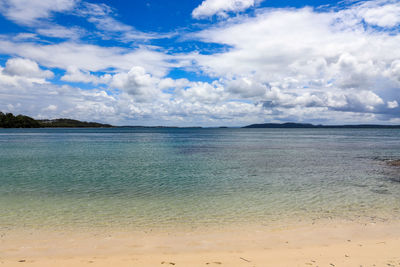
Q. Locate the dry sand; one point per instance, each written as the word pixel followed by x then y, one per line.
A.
pixel 322 244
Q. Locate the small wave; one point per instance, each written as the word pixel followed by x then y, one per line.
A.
pixel 381 191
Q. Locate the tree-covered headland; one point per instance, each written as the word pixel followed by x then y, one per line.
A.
pixel 8 120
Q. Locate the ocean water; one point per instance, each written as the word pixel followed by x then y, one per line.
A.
pixel 149 178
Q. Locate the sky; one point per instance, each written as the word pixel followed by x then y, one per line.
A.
pixel 201 62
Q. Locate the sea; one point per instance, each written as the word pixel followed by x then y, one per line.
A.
pixel 167 178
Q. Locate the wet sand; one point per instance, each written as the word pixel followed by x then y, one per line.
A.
pixel 321 244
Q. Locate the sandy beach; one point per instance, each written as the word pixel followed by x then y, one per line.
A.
pixel 321 244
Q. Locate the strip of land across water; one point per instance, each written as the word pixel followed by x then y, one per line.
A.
pixel 8 120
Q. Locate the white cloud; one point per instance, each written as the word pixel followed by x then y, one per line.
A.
pixel 202 92
pixel 168 83
pixel 209 8
pixel 392 104
pixel 74 74
pixel 19 82
pixel 142 86
pixel 113 29
pixel 394 71
pixel 19 76
pixel 90 9
pixel 380 13
pixel 45 100
pixel 58 31
pixel 101 15
pixel 25 68
pixel 50 108
pixel 301 58
pixel 25 36
pixel 38 14
pixel 88 57
pixel 245 87
pixel 28 12
pixel 277 65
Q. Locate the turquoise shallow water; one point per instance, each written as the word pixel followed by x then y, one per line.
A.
pixel 140 178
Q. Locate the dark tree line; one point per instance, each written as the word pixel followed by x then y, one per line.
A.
pixel 8 120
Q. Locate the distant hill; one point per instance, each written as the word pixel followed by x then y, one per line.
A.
pixel 308 125
pixel 8 120
pixel 65 123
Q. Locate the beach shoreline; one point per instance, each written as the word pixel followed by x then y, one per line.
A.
pixel 334 243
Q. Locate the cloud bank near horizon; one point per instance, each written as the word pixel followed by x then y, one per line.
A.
pixel 310 64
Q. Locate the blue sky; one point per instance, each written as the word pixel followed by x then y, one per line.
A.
pixel 203 62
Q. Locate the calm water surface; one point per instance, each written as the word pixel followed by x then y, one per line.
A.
pixel 188 177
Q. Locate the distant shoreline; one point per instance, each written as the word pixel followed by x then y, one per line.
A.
pixel 8 120
pixel 87 125
pixel 312 126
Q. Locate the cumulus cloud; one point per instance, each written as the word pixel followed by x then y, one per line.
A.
pixel 50 108
pixel 25 68
pixel 20 77
pixel 210 8
pixel 380 13
pixel 137 83
pixel 202 92
pixel 88 57
pixel 303 58
pixel 394 71
pixel 45 100
pixel 392 104
pixel 330 66
pixel 18 82
pixel 245 87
